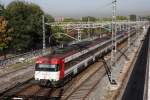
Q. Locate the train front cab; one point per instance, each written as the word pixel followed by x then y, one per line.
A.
pixel 49 73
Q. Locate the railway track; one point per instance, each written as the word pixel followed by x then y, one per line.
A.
pixel 86 88
pixel 31 91
pixel 82 91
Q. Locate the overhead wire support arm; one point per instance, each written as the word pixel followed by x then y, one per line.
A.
pixel 69 36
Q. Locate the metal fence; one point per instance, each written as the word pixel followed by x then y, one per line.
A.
pixel 21 58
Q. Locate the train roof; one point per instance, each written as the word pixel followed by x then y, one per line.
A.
pixel 61 53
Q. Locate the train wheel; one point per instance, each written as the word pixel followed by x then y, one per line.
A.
pixel 70 78
pixel 49 85
pixel 43 83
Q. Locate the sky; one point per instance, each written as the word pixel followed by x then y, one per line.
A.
pixel 96 8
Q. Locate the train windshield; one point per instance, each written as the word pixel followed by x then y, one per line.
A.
pixel 47 67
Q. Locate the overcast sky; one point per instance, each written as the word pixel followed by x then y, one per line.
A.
pixel 79 8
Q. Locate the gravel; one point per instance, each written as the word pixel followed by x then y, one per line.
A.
pixel 11 79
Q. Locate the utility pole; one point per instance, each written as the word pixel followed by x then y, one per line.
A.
pixel 113 32
pixel 89 28
pixel 114 45
pixel 79 34
pixel 136 27
pixel 129 34
pixel 43 21
pixel 114 21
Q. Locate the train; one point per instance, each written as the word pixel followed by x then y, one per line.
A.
pixel 57 69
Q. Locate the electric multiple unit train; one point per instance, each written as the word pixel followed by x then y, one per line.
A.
pixel 57 69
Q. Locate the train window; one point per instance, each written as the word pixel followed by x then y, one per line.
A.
pixel 47 67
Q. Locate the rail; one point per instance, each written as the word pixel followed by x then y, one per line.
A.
pixel 34 96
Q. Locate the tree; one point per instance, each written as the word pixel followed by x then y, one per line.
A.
pixel 68 19
pixel 133 17
pixel 107 19
pixel 147 18
pixel 58 35
pixel 48 30
pixel 26 20
pixel 121 18
pixel 56 30
pixel 5 37
pixel 117 18
pixel 1 10
pixel 49 18
pixel 89 18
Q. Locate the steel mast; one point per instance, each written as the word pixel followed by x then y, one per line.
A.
pixel 114 45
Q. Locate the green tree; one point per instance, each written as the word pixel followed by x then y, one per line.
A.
pixel 58 35
pixel 107 19
pixel 121 18
pixel 68 19
pixel 49 18
pixel 1 10
pixel 133 17
pixel 89 18
pixel 148 18
pixel 26 20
